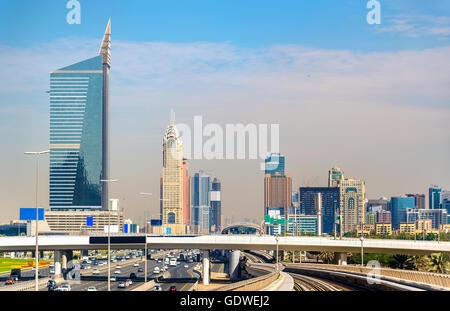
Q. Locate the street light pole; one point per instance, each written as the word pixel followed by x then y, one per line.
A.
pixel 109 237
pixel 362 251
pixel 276 238
pixel 36 277
pixel 145 261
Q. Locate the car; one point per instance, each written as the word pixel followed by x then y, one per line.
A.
pixel 113 278
pixel 117 271
pixel 51 285
pixel 186 266
pixel 129 281
pixel 127 257
pixel 157 288
pixel 140 270
pixel 10 281
pixel 66 286
pixel 92 289
pixel 136 264
pixel 172 288
pixel 123 259
pixel 122 284
pixel 51 271
pixel 156 270
pixel 96 271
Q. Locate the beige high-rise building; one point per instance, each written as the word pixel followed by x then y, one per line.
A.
pixel 172 181
pixel 352 192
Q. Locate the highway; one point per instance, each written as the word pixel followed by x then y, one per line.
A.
pixel 179 276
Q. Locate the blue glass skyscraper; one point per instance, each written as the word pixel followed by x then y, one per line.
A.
pixel 434 197
pixel 200 200
pixel 274 163
pixel 399 207
pixel 79 132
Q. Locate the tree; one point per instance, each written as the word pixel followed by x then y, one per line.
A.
pixel 439 263
pixel 326 257
pixel 399 261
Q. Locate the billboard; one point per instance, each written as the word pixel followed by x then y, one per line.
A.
pixel 29 213
pixel 125 228
pixel 89 221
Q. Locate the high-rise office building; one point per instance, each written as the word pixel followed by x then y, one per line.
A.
pixel 419 200
pixel 186 195
pixel 399 207
pixel 384 217
pixel 334 176
pixel 330 204
pixel 201 201
pixel 352 206
pixel 277 194
pixel 216 206
pixel 352 196
pixel 434 197
pixel 172 208
pixel 274 163
pixel 79 133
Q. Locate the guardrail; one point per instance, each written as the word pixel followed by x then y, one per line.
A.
pixel 22 286
pixel 437 279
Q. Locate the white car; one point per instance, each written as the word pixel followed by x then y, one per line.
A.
pixel 186 266
pixel 136 264
pixel 156 270
pixel 157 288
pixel 113 279
pixel 117 271
pixel 95 271
pixel 92 289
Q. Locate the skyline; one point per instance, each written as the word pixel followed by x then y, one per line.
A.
pixel 394 102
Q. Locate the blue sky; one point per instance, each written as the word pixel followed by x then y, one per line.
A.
pixel 371 99
pixel 320 23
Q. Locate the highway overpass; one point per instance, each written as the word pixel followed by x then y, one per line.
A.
pixel 230 242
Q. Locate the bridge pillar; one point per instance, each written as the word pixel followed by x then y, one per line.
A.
pixel 340 258
pixel 233 264
pixel 57 259
pixel 66 262
pixel 205 273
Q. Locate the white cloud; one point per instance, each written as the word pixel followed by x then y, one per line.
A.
pixel 416 25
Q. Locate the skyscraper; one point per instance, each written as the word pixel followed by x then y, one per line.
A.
pixel 352 196
pixel 330 204
pixel 216 205
pixel 334 176
pixel 399 206
pixel 274 163
pixel 200 199
pixel 434 197
pixel 79 132
pixel 172 217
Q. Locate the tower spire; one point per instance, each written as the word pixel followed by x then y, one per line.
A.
pixel 172 117
pixel 105 48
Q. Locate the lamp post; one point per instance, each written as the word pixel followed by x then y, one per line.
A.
pixel 109 237
pixel 362 251
pixel 37 214
pixel 145 247
pixel 276 238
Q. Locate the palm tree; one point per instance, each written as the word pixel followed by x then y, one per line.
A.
pixel 326 257
pixel 421 263
pixel 439 263
pixel 401 262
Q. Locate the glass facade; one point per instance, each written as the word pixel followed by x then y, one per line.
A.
pixel 434 196
pixel 201 203
pixel 274 163
pixel 76 136
pixel 330 204
pixel 399 207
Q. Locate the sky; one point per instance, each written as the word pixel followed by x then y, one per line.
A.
pixel 371 99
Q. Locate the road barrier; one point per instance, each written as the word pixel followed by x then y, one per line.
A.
pixel 436 279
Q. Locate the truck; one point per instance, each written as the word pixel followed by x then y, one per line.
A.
pixel 16 274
